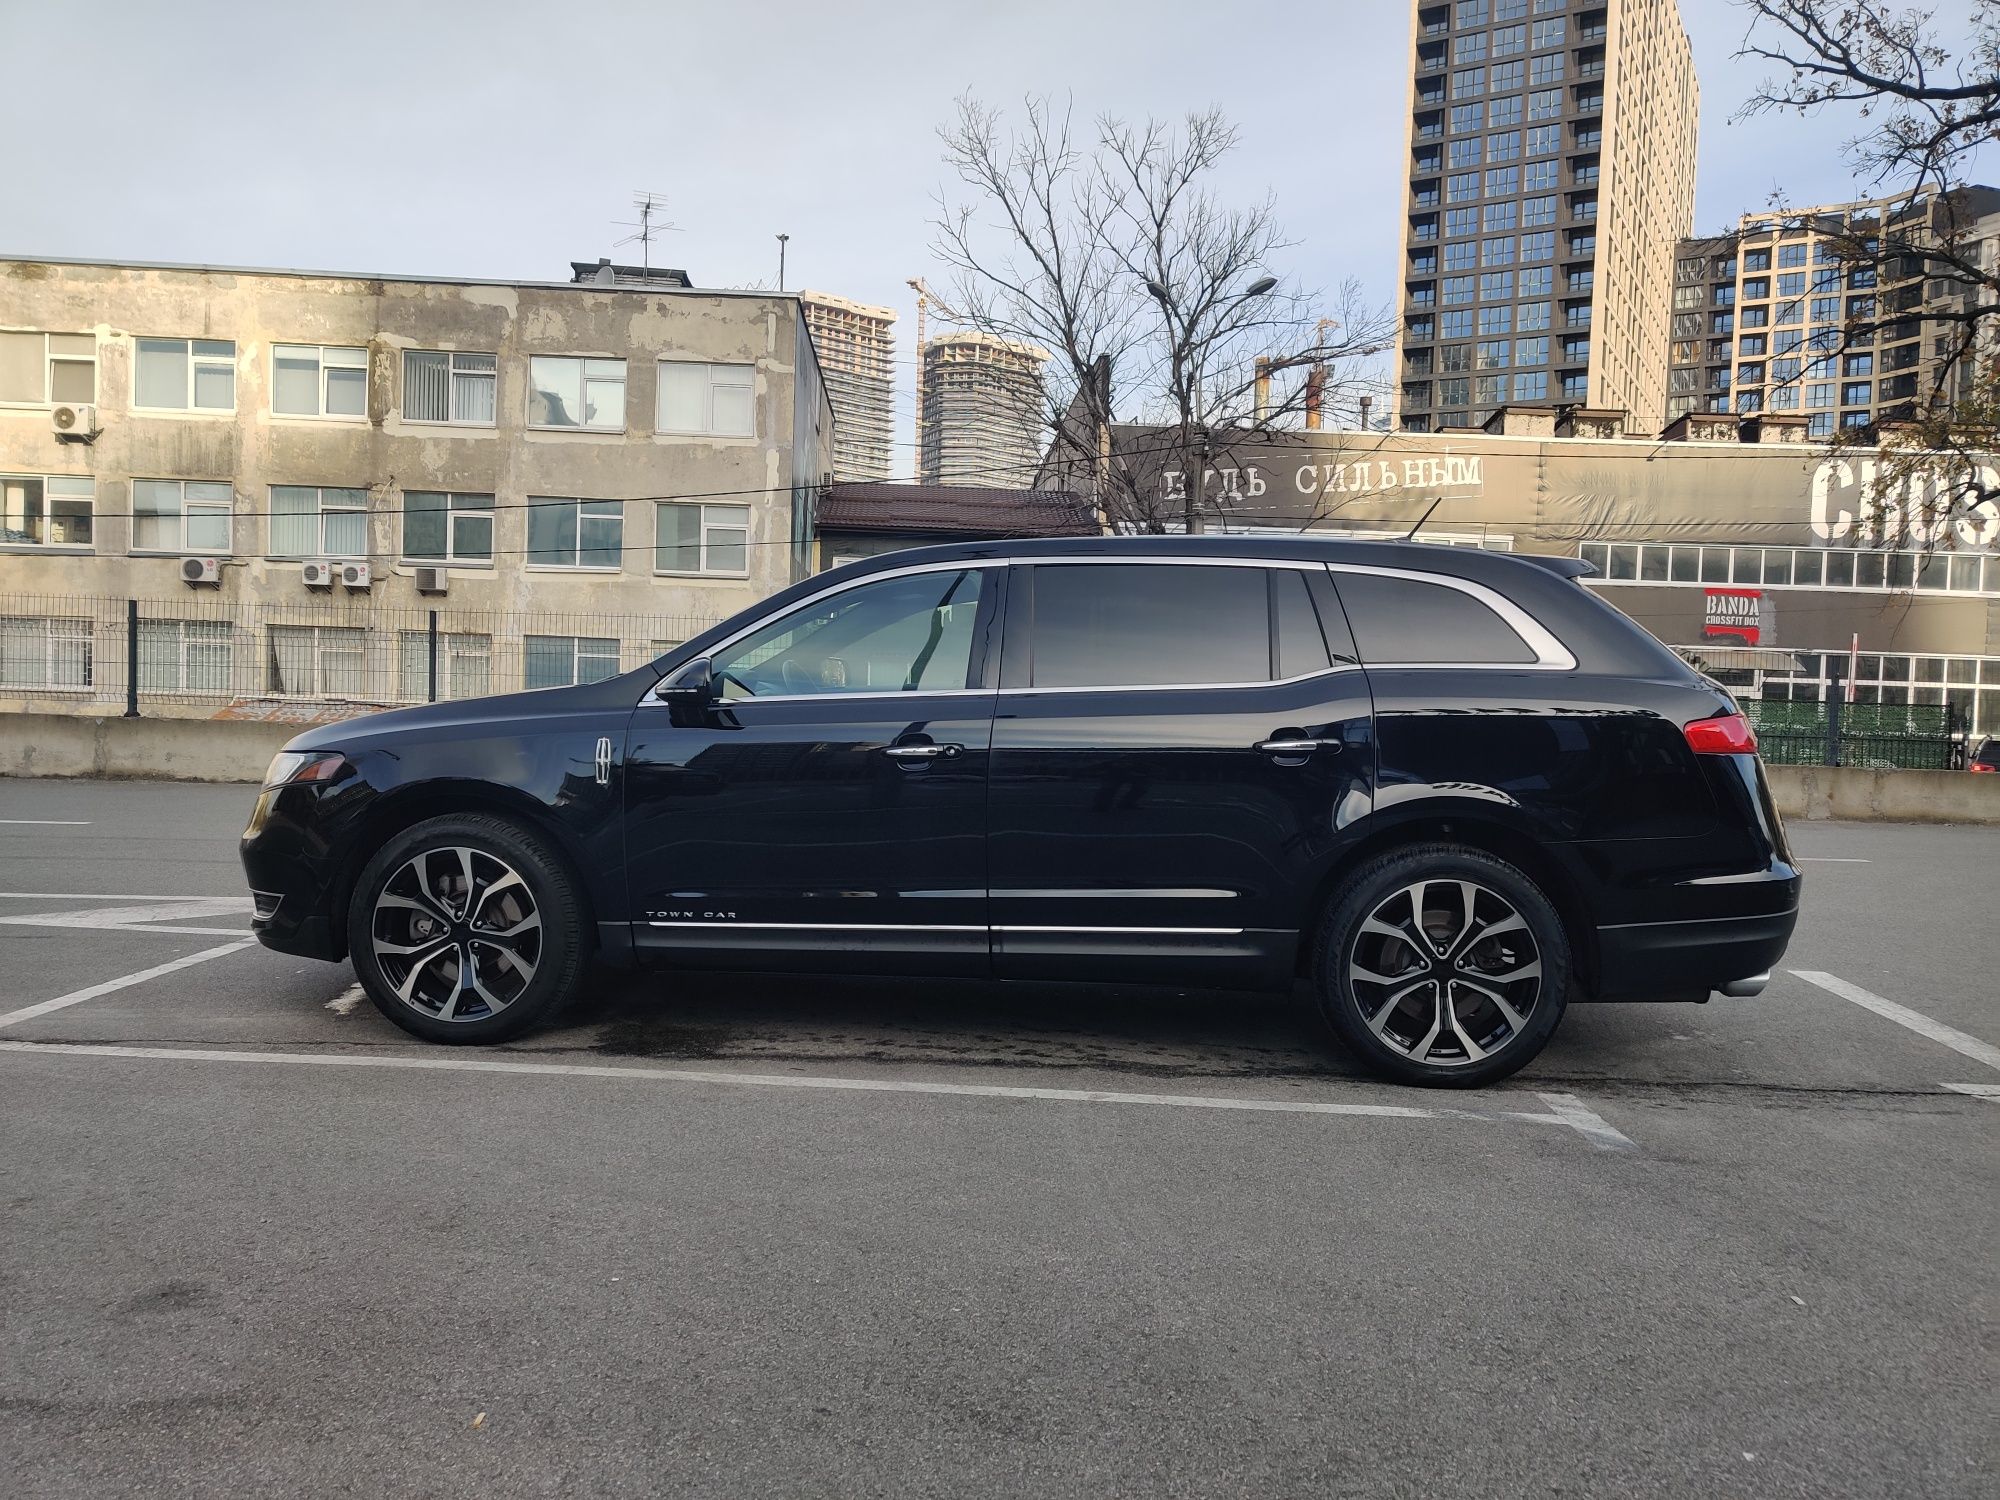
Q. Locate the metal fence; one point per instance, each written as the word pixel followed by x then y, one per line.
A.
pixel 1876 736
pixel 313 659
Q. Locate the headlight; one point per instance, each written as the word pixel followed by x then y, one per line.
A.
pixel 291 766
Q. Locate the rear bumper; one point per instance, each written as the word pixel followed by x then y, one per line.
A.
pixel 1686 960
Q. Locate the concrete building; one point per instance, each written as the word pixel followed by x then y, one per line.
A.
pixel 1734 541
pixel 290 470
pixel 1778 315
pixel 1551 167
pixel 984 417
pixel 856 345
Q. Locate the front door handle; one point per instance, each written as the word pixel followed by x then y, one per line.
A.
pixel 922 752
pixel 1296 747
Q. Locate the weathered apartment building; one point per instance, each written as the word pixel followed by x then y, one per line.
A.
pixel 291 470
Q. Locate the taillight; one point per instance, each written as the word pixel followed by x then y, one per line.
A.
pixel 1729 734
pixel 1976 767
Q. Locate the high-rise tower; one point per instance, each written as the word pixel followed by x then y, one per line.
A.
pixel 856 345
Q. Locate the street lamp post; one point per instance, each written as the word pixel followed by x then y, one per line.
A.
pixel 1194 431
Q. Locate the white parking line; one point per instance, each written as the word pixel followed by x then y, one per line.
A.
pixel 109 896
pixel 77 997
pixel 1563 1109
pixel 1902 1015
pixel 50 822
pixel 343 1004
pixel 1977 1090
pixel 1829 859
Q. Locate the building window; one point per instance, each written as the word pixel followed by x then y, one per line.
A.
pixel 1545 104
pixel 1509 10
pixel 1855 393
pixel 1505 111
pixel 1466 117
pixel 1792 284
pixel 1467 82
pixel 1750 343
pixel 184 375
pixel 1465 153
pixel 1462 187
pixel 1508 76
pixel 1498 251
pixel 714 400
pixel 1548 33
pixel 1532 386
pixel 316 521
pixel 1785 398
pixel 464 668
pixel 1457 291
pixel 1531 352
pixel 1496 286
pixel 1457 325
pixel 575 533
pixel 1793 311
pixel 1503 182
pixel 712 539
pixel 1509 40
pixel 1547 69
pixel 55 510
pixel 1489 390
pixel 1494 320
pixel 315 380
pixel 1499 216
pixel 1750 374
pixel 1460 222
pixel 1533 314
pixel 1419 329
pixel 1540 246
pixel 45 653
pixel 440 386
pixel 447 528
pixel 1537 177
pixel 1757 260
pixel 1470 13
pixel 1538 281
pixel 564 660
pixel 1470 48
pixel 1536 211
pixel 1455 358
pixel 316 661
pixel 1786 340
pixel 42 369
pixel 186 656
pixel 1575 387
pixel 181 515
pixel 575 391
pixel 1492 355
pixel 1858 364
pixel 1504 147
pixel 1755 317
pixel 1819 395
pixel 1452 392
pixel 1544 140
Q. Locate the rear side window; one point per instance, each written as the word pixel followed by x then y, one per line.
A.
pixel 1409 622
pixel 1149 625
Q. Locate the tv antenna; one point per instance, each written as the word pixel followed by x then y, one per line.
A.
pixel 651 222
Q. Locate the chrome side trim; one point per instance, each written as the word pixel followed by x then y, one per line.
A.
pixel 821 926
pixel 1131 931
pixel 1551 655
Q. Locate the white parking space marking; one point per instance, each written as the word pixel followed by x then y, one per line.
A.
pixel 1902 1015
pixel 107 896
pixel 1563 1109
pixel 49 822
pixel 1829 859
pixel 343 1004
pixel 140 918
pixel 77 997
pixel 1977 1090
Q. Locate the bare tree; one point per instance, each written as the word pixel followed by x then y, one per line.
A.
pixel 1924 114
pixel 1106 247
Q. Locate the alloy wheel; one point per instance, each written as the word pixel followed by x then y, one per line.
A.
pixel 456 934
pixel 1445 972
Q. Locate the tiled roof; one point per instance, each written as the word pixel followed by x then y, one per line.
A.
pixel 958 510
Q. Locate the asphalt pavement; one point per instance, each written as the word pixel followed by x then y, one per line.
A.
pixel 789 1235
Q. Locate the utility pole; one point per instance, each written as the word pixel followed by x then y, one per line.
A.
pixel 781 260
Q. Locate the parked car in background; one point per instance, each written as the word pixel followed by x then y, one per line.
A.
pixel 1985 756
pixel 1453 789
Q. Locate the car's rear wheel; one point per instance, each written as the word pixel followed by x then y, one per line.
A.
pixel 467 928
pixel 1443 965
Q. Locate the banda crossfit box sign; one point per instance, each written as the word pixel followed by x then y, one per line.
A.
pixel 1744 615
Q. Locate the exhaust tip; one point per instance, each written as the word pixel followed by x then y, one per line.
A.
pixel 1743 989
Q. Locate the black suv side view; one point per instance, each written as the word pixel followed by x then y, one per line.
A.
pixel 1453 789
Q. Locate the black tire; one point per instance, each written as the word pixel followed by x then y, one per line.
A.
pixel 561 952
pixel 1381 890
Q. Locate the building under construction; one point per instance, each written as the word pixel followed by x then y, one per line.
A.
pixel 982 410
pixel 856 345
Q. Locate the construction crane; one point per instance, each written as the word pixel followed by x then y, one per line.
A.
pixel 925 298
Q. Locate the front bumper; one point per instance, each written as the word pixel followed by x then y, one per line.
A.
pixel 286 859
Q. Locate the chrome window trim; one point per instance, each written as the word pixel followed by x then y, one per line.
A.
pixel 1185 687
pixel 1551 655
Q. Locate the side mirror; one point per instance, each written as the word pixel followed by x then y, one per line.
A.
pixel 689 694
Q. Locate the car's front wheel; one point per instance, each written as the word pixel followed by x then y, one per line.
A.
pixel 467 928
pixel 1443 965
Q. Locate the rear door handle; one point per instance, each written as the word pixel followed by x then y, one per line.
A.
pixel 922 752
pixel 1296 747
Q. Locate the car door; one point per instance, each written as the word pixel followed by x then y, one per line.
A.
pixel 830 803
pixel 1177 746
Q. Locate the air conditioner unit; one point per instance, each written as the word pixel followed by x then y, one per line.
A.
pixel 73 421
pixel 201 570
pixel 433 581
pixel 317 575
pixel 354 575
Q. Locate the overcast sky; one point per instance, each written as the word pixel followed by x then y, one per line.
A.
pixel 505 140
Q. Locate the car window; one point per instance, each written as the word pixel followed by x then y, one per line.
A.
pixel 1301 642
pixel 899 635
pixel 1408 621
pixel 1149 624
